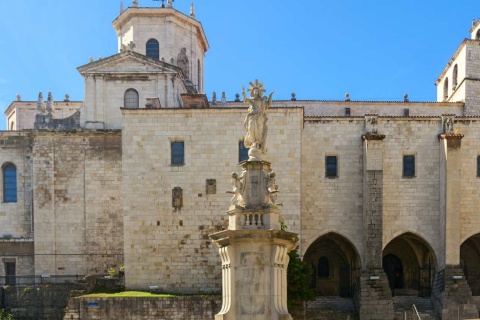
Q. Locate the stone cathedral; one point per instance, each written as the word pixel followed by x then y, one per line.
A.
pixel 384 196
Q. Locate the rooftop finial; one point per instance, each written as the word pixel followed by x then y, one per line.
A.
pixel 135 3
pixel 49 103
pixel 40 102
pixel 170 3
pixel 473 21
pixel 19 97
pixel 192 10
pixel 121 7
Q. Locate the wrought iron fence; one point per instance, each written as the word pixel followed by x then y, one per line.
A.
pixel 38 280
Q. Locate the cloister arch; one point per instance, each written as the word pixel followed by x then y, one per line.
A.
pixel 336 264
pixel 409 262
pixel 470 261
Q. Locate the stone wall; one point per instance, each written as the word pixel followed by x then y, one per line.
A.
pixel 172 308
pixel 35 302
pixel 78 202
pixel 170 247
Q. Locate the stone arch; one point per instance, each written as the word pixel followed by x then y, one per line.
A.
pixel 455 77
pixel 445 89
pixel 470 262
pixel 409 262
pixel 341 257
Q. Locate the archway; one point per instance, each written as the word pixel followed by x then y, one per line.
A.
pixel 409 263
pixel 470 260
pixel 336 265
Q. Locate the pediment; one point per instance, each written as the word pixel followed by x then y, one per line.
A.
pixel 128 62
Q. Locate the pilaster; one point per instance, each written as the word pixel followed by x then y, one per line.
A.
pixel 452 295
pixel 375 297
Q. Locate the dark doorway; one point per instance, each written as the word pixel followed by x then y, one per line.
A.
pixel 336 263
pixel 10 279
pixel 409 263
pixel 394 270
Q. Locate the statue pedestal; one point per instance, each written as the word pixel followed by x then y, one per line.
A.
pixel 254 273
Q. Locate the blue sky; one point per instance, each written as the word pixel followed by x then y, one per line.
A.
pixel 374 50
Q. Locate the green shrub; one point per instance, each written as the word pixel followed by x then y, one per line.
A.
pixel 4 316
pixel 299 277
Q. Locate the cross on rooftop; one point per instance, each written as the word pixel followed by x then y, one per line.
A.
pixel 163 2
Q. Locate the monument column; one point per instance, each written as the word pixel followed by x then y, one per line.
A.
pixel 375 295
pixel 254 250
pixel 452 295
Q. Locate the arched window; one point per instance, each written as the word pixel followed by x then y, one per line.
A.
pixel 478 34
pixel 445 89
pixel 199 77
pixel 9 183
pixel 12 126
pixel 323 267
pixel 153 49
pixel 131 99
pixel 455 77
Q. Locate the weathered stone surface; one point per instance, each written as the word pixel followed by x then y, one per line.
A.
pixel 173 308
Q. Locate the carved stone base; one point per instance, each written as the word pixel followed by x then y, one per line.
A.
pixel 254 273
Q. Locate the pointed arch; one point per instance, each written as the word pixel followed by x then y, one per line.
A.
pixel 337 264
pixel 470 262
pixel 410 263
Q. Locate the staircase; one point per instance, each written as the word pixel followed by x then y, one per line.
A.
pixel 405 303
pixel 331 308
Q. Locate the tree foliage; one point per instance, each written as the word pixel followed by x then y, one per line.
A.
pixel 299 279
pixel 4 316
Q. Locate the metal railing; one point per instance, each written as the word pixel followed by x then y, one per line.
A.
pixel 415 313
pixel 38 280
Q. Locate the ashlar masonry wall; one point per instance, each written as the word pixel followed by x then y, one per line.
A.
pixel 332 204
pixel 16 242
pixel 170 247
pixel 78 202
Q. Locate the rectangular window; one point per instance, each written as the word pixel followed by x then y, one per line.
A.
pixel 347 111
pixel 478 166
pixel 242 152
pixel 178 154
pixel 409 166
pixel 10 272
pixel 331 166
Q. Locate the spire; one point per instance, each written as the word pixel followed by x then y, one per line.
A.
pixel 40 103
pixel 192 10
pixel 121 7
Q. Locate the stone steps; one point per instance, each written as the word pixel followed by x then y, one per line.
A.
pixel 331 308
pixel 404 304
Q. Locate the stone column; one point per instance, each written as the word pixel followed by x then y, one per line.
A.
pixel 254 250
pixel 452 295
pixel 375 295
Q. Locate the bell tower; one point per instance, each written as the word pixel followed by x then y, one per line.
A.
pixel 165 34
pixel 460 79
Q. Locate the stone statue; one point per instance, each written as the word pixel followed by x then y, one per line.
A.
pixel 448 125
pixel 238 187
pixel 182 62
pixel 256 120
pixel 271 189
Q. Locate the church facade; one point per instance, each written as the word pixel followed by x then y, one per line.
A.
pixel 382 194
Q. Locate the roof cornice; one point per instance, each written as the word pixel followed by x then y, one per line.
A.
pixel 133 12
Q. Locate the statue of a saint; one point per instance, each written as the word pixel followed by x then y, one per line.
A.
pixel 182 62
pixel 256 120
